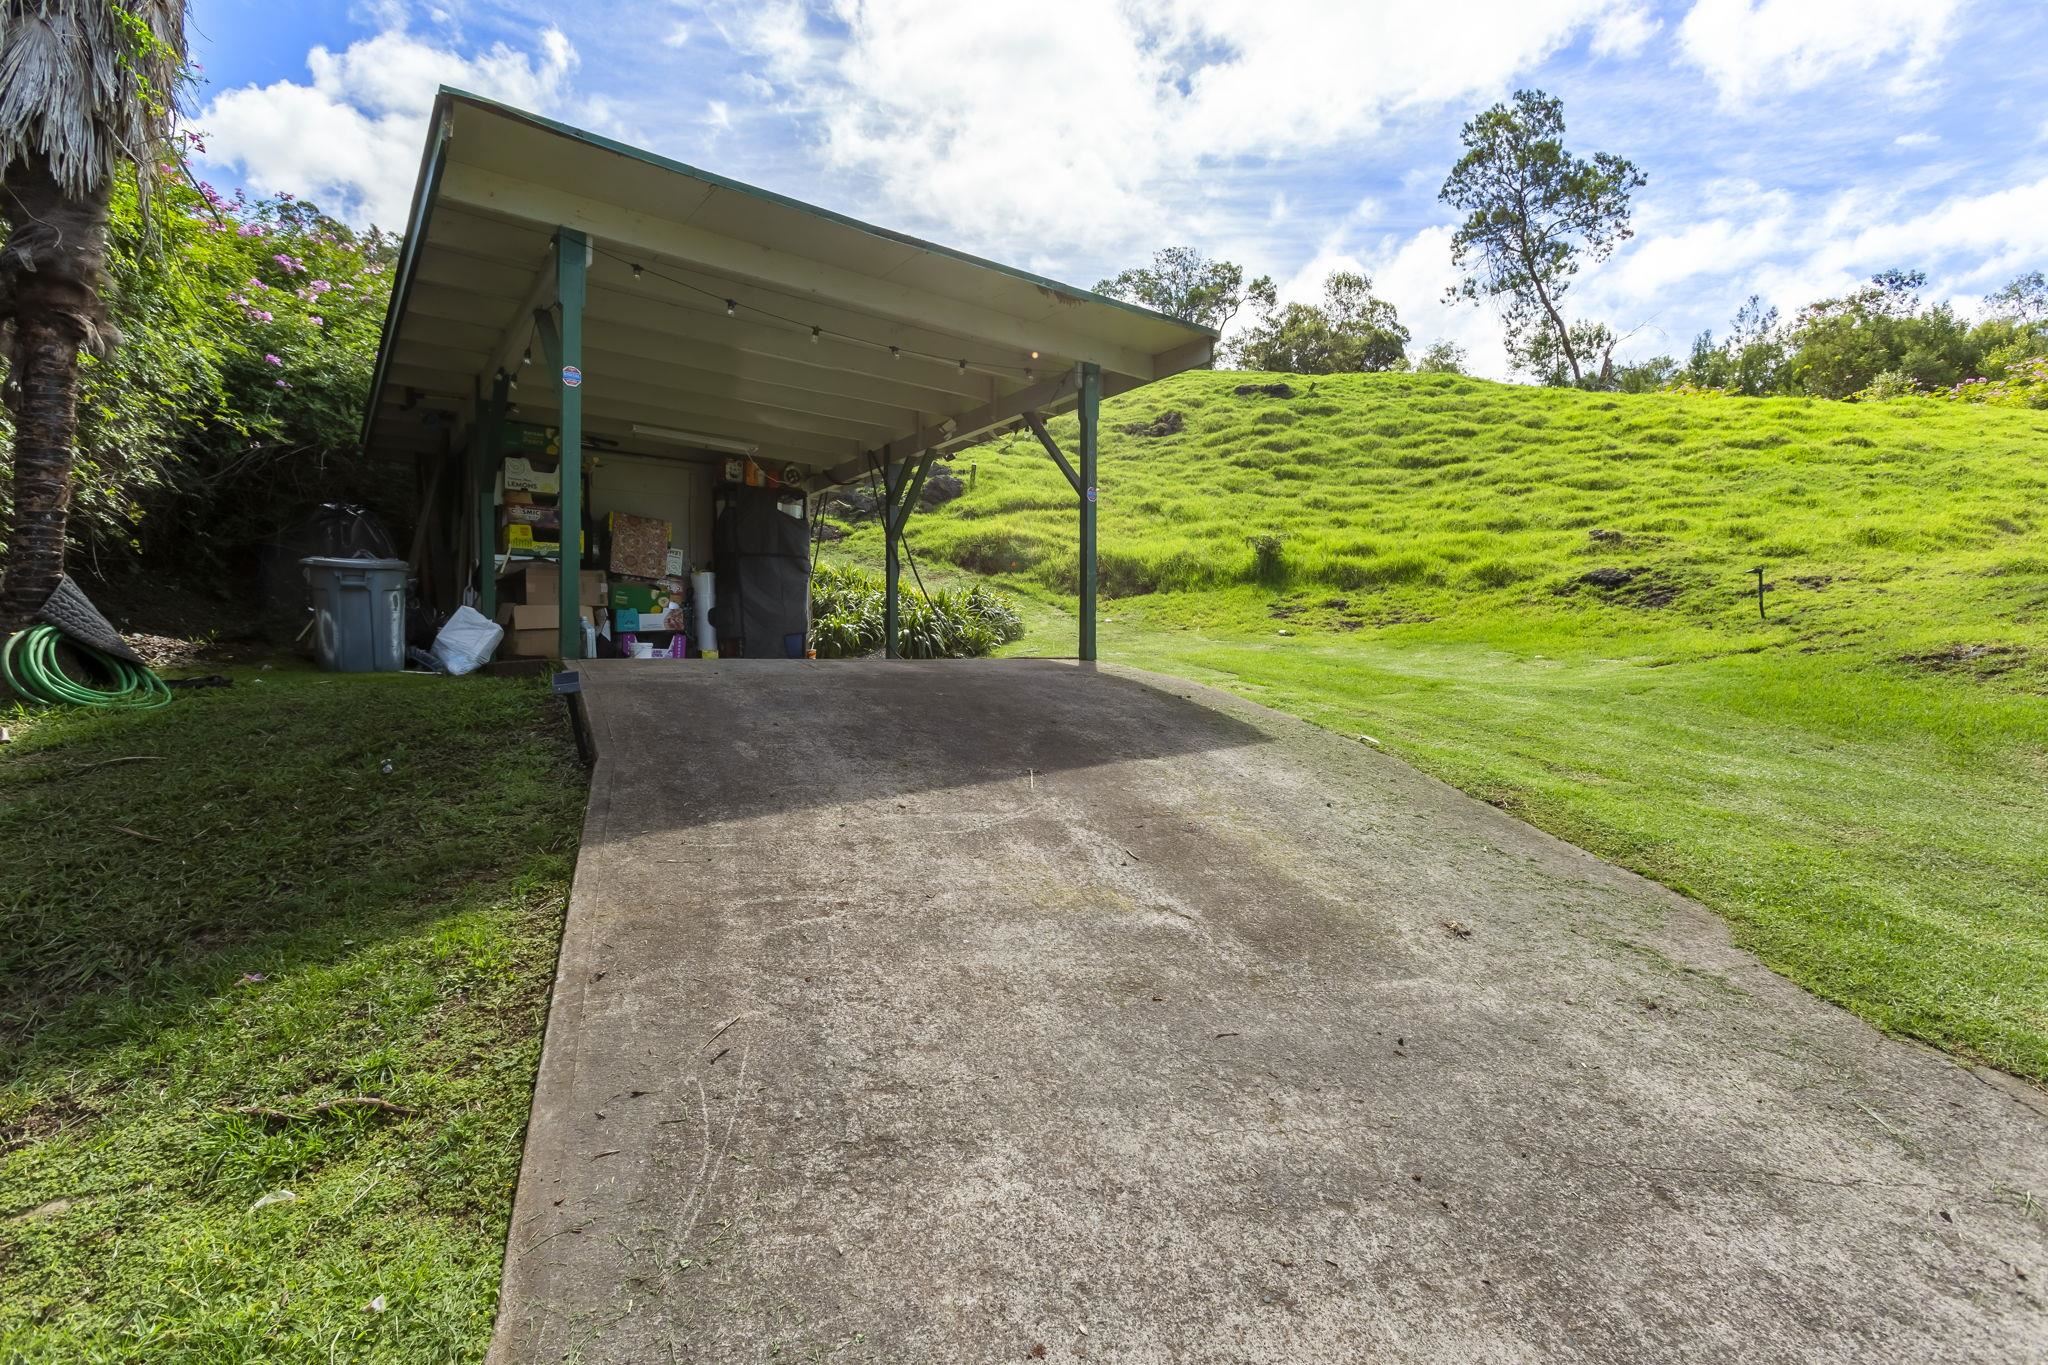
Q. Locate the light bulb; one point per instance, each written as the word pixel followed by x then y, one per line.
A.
pixel 963 367
pixel 636 272
pixel 895 353
pixel 731 306
pixel 527 357
pixel 816 332
pixel 1034 355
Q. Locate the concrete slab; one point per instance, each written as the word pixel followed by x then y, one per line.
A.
pixel 1010 1011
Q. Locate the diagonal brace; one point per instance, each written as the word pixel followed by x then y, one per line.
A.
pixel 905 495
pixel 1037 425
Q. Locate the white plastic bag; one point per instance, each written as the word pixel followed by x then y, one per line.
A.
pixel 467 642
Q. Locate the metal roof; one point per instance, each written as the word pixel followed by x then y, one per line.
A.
pixel 720 311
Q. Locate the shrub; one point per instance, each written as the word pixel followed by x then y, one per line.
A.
pixel 848 612
pixel 1269 563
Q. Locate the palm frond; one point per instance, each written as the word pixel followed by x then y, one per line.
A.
pixel 88 84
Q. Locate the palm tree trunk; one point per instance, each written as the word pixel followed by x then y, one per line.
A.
pixel 51 271
pixel 42 393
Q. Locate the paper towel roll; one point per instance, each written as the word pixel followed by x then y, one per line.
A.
pixel 701 593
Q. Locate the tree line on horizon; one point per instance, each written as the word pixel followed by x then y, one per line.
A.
pixel 1535 215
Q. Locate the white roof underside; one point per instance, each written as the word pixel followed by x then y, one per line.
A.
pixel 660 350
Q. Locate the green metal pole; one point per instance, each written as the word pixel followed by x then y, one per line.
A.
pixel 571 256
pixel 490 446
pixel 892 481
pixel 1091 413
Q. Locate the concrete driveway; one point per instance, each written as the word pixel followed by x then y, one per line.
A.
pixel 1008 1011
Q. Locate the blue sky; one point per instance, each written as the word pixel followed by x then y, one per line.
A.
pixel 1793 146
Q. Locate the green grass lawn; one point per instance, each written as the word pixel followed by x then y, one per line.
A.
pixel 1856 782
pixel 259 915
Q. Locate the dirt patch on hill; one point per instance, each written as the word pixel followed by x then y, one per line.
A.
pixel 1632 586
pixel 1172 422
pixel 1980 661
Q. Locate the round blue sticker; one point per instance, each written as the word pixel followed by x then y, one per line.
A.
pixel 1091 495
pixel 571 377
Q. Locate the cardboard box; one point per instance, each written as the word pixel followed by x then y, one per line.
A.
pixel 518 616
pixel 528 438
pixel 533 474
pixel 639 546
pixel 538 583
pixel 529 514
pixel 532 644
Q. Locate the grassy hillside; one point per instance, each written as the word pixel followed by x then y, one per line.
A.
pixel 1547 598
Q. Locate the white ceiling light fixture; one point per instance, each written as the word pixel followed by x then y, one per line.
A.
pixel 696 438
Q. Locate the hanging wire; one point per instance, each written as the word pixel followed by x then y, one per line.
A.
pixel 732 306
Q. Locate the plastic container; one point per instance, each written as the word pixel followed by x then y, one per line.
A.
pixel 358 613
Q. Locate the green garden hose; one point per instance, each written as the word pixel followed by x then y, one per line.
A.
pixel 29 666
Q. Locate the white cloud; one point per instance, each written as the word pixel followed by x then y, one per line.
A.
pixel 1754 48
pixel 1625 32
pixel 1000 129
pixel 1916 139
pixel 678 36
pixel 351 137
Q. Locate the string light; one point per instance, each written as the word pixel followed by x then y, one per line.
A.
pixel 526 358
pixel 1030 375
pixel 963 367
pixel 817 332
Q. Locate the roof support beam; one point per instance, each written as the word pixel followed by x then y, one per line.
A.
pixel 770 268
pixel 571 258
pixel 512 346
pixel 958 430
pixel 1090 414
pixel 1037 425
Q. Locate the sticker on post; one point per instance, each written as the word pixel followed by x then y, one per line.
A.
pixel 1090 494
pixel 572 377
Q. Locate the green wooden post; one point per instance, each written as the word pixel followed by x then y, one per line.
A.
pixel 1090 413
pixel 490 451
pixel 892 481
pixel 571 256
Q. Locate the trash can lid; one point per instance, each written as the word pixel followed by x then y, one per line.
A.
pixel 325 562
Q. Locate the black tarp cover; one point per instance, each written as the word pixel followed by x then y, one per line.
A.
pixel 761 555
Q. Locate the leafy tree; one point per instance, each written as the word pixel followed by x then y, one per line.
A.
pixel 1534 214
pixel 1185 284
pixel 1752 361
pixel 85 86
pixel 1840 346
pixel 1350 331
pixel 2025 300
pixel 1582 358
pixel 1442 357
pixel 1645 376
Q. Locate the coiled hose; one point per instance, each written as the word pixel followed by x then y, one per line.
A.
pixel 29 667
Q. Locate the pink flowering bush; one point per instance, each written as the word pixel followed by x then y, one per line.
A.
pixel 2024 384
pixel 249 329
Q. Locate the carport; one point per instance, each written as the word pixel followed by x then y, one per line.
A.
pixel 665 320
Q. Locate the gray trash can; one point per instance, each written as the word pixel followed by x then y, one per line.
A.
pixel 358 613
